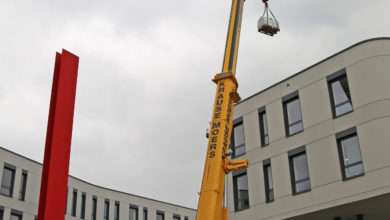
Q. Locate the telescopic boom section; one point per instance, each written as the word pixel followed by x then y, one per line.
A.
pixel 217 162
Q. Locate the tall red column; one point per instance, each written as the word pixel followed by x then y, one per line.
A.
pixel 52 199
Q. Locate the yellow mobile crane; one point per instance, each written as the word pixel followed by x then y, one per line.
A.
pixel 218 164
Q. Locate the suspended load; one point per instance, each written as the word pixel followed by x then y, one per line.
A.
pixel 267 24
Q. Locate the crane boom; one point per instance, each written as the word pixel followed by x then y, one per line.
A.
pixel 217 163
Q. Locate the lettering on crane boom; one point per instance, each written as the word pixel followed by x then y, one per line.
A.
pixel 216 126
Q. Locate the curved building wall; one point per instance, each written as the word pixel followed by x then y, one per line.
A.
pixel 367 69
pixel 28 207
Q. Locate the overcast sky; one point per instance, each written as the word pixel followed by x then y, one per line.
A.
pixel 144 93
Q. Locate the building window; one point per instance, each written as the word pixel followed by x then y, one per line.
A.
pixel 185 218
pixel 16 215
pixel 133 212
pixel 94 206
pixel 240 187
pixel 106 209
pixel 349 152
pixel 160 215
pixel 116 211
pixel 268 182
pixel 83 200
pixel 238 138
pixel 145 214
pixel 340 97
pixel 1 212
pixel 292 114
pixel 74 202
pixel 263 127
pixel 23 185
pixel 300 179
pixel 7 182
pixel 176 217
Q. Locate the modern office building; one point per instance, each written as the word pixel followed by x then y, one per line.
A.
pixel 19 196
pixel 318 142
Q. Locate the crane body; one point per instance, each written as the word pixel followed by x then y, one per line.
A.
pixel 217 163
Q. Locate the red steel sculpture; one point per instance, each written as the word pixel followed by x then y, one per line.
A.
pixel 52 200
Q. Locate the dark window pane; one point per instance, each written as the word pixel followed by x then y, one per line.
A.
pixel 354 171
pixel 302 186
pixel 265 124
pixel 16 217
pixel 83 199
pixel 350 156
pixel 271 196
pixel 94 203
pixel 293 111
pixel 160 216
pixel 293 120
pixel 241 192
pixel 341 96
pixel 340 91
pixel 351 150
pixel 23 184
pixel 133 214
pixel 106 210
pixel 74 203
pixel 344 108
pixel 295 128
pixel 238 140
pixel 269 188
pixel 269 178
pixel 116 211
pixel 300 173
pixel 239 151
pixel 301 170
pixel 239 135
pixel 145 214
pixel 7 181
pixel 263 129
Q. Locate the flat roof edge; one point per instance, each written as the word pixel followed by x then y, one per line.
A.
pixel 105 188
pixel 321 61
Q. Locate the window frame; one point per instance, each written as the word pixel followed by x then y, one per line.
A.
pixel 237 122
pixel 83 204
pixel 106 211
pixel 262 112
pixel 18 213
pixel 175 216
pixel 266 164
pixel 337 76
pixel 285 101
pixel 145 213
pixel 1 212
pixel 94 208
pixel 23 185
pixel 291 155
pixel 12 168
pixel 340 136
pixel 74 203
pixel 161 213
pixel 235 175
pixel 117 208
pixel 134 207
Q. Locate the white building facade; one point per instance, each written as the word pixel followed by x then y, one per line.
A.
pixel 20 187
pixel 318 142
